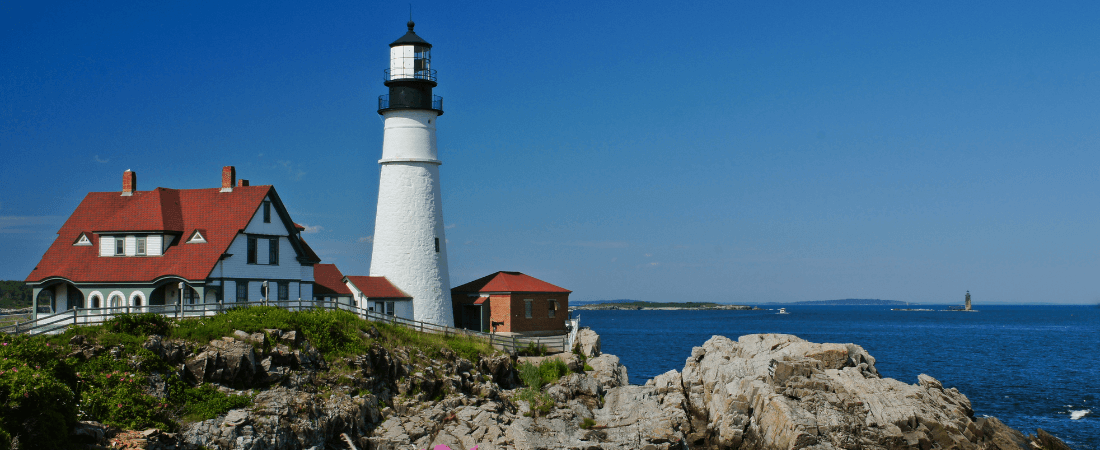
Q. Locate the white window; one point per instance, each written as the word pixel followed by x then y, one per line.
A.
pixel 527 307
pixel 120 246
pixel 390 310
pixel 141 245
pixel 83 240
pixel 196 238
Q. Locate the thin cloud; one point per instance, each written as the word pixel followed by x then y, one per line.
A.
pixel 294 172
pixel 311 229
pixel 448 227
pixel 28 224
pixel 599 244
pixel 101 160
pixel 366 240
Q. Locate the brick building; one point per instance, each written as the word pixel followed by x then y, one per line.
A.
pixel 511 302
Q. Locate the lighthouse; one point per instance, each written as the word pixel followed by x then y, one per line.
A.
pixel 410 248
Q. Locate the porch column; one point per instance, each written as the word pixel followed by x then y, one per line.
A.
pixel 34 301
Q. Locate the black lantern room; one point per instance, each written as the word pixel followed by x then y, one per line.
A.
pixel 410 76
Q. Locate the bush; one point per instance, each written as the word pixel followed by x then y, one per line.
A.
pixel 539 401
pixel 588 423
pixel 139 324
pixel 205 402
pixel 113 393
pixel 530 375
pixel 36 402
pixel 531 349
pixel 552 369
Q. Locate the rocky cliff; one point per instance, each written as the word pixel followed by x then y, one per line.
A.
pixel 758 392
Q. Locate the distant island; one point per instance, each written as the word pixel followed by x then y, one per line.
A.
pixel 641 305
pixel 851 301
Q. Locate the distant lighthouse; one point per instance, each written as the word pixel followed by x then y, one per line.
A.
pixel 410 248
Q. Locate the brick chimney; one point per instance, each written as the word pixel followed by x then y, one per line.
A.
pixel 229 178
pixel 129 183
pixel 242 182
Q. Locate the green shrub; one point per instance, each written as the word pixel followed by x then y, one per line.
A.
pixel 588 423
pixel 139 324
pixel 37 404
pixel 532 349
pixel 113 393
pixel 530 375
pixel 539 401
pixel 552 370
pixel 205 402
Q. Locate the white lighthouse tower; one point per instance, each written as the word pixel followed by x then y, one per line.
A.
pixel 410 249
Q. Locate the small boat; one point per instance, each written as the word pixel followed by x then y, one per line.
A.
pixel 782 311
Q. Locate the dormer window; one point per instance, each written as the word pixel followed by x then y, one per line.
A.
pixel 196 238
pixel 141 245
pixel 83 240
pixel 120 246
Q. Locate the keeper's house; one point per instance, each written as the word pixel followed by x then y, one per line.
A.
pixel 511 302
pixel 160 247
pixel 376 294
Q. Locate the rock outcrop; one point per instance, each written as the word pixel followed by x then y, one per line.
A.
pixel 760 392
pixel 766 391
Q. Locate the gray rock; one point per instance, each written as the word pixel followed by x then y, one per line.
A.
pixel 587 342
pixel 607 371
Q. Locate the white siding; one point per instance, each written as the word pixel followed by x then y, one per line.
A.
pixel 307 274
pixel 106 246
pixel 306 291
pixel 229 291
pixel 237 266
pixel 131 245
pixel 257 225
pixel 154 245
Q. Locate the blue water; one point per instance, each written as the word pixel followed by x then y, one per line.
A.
pixel 1026 365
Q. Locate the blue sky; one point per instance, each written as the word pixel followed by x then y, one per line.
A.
pixel 664 151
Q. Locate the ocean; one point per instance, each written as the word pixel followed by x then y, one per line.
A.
pixel 1029 366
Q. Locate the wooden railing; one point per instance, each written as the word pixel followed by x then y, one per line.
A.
pixel 57 323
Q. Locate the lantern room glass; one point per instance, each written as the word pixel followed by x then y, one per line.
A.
pixel 410 61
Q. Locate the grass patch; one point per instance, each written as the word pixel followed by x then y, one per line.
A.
pixel 531 349
pixel 546 372
pixel 538 400
pixel 205 402
pixel 534 378
pixel 588 423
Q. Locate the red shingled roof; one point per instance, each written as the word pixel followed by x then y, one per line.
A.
pixel 376 287
pixel 509 282
pixel 327 280
pixel 176 212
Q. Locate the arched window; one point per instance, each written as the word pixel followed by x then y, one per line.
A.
pixel 116 301
pixel 96 300
pixel 45 298
pixel 137 298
